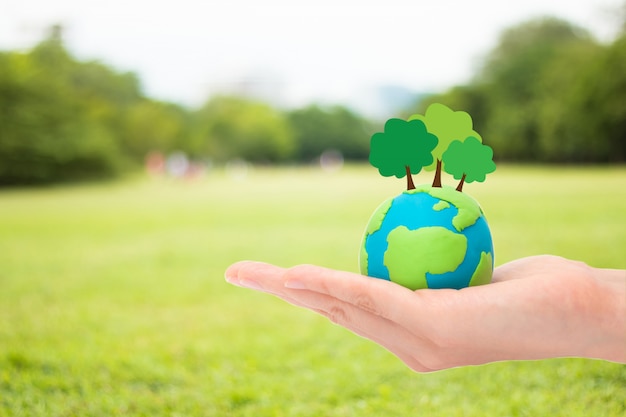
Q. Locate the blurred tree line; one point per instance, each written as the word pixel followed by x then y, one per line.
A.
pixel 548 92
pixel 62 119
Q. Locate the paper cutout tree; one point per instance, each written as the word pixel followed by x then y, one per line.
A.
pixel 403 149
pixel 440 140
pixel 468 161
pixel 448 125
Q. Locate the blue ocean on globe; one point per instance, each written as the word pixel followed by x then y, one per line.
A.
pixel 424 209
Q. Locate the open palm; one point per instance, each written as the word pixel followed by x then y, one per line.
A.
pixel 537 307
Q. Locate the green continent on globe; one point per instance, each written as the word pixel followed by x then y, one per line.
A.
pixel 441 205
pixel 484 270
pixel 376 220
pixel 413 253
pixel 378 216
pixel 469 210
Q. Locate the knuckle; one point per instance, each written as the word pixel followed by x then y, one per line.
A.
pixel 366 303
pixel 337 315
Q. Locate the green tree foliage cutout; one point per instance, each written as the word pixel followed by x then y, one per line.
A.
pixel 442 139
pixel 468 161
pixel 448 125
pixel 404 148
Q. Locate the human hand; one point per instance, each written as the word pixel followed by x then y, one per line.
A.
pixel 535 308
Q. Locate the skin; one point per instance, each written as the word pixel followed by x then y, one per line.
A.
pixel 536 308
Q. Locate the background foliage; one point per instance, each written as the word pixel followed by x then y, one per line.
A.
pixel 547 92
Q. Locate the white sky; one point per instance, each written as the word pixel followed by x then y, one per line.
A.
pixel 298 50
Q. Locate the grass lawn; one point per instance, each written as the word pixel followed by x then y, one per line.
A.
pixel 113 302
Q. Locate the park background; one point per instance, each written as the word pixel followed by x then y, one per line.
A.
pixel 119 213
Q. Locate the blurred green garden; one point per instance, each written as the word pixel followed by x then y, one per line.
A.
pixel 112 296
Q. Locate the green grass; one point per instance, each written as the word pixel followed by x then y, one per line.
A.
pixel 112 298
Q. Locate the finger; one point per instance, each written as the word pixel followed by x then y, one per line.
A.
pixel 373 295
pixel 360 321
pixel 271 279
pixel 351 300
pixel 256 275
pixel 379 297
pixel 392 336
pixel 397 341
pixel 408 347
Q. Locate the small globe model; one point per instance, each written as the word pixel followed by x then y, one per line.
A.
pixel 428 237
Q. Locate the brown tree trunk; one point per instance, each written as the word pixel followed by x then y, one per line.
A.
pixel 437 181
pixel 409 179
pixel 460 186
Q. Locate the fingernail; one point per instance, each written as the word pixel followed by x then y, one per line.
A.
pixel 250 284
pixel 294 284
